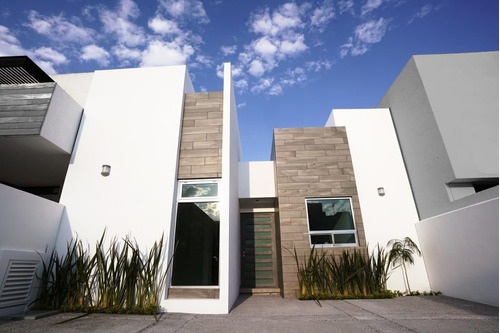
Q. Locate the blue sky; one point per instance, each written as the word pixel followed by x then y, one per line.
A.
pixel 292 61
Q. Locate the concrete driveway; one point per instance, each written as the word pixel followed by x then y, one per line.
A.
pixel 273 314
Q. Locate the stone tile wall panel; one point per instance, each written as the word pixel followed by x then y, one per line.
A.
pixel 310 163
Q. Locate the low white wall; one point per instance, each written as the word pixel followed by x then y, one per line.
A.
pixel 377 162
pixel 29 227
pixel 461 252
pixel 28 222
pixel 257 180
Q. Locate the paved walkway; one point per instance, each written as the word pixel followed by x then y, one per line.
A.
pixel 273 314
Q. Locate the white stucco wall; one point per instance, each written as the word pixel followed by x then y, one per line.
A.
pixel 28 222
pixel 29 226
pixel 461 252
pixel 377 162
pixel 77 85
pixel 257 180
pixel 131 122
pixel 62 120
pixel 463 93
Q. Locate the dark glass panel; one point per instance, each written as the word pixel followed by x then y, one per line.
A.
pixel 196 257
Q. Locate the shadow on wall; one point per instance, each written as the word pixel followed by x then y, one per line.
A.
pixel 65 234
pixel 77 139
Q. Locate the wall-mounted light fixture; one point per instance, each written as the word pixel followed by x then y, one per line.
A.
pixel 381 191
pixel 106 169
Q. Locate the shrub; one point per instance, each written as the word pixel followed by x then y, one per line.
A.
pixel 119 279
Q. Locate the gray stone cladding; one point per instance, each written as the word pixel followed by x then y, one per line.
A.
pixel 201 141
pixel 310 163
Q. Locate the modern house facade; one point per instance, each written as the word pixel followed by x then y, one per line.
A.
pixel 138 152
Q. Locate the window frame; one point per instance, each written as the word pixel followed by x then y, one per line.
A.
pixel 332 232
pixel 180 198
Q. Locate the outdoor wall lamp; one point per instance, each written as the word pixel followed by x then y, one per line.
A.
pixel 381 191
pixel 106 169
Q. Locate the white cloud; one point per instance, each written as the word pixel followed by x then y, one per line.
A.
pixel 125 53
pixel 265 48
pixel 365 34
pixel 51 55
pixel 46 66
pixel 372 31
pixel 318 65
pixel 276 89
pixel 219 70
pixel 163 26
pixel 44 57
pixel 159 53
pixel 370 5
pixel 287 16
pixel 9 44
pixel 346 6
pixel 293 76
pixel 204 60
pixel 263 84
pixel 424 11
pixel 323 15
pixel 241 105
pixel 241 84
pixel 279 37
pixel 59 29
pixel 119 23
pixel 236 71
pixel 293 46
pixel 96 53
pixel 185 10
pixel 228 50
pixel 353 48
pixel 256 68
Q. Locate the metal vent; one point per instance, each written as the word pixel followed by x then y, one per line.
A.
pixel 18 281
pixel 21 70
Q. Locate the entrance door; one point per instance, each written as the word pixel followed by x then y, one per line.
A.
pixel 258 251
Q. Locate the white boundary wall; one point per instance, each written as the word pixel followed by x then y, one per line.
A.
pixel 29 226
pixel 28 222
pixel 377 162
pixel 461 252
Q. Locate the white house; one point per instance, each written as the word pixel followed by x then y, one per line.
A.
pixel 138 152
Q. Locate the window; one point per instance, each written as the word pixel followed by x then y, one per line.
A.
pixel 331 222
pixel 196 257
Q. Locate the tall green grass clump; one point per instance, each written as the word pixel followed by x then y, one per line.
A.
pixel 116 279
pixel 349 275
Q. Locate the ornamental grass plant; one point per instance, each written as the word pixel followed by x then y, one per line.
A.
pixel 116 279
pixel 348 275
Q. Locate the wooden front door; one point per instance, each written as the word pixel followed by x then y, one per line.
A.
pixel 258 251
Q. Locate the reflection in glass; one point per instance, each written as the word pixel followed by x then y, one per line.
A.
pixel 344 238
pixel 321 239
pixel 330 214
pixel 196 257
pixel 199 190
